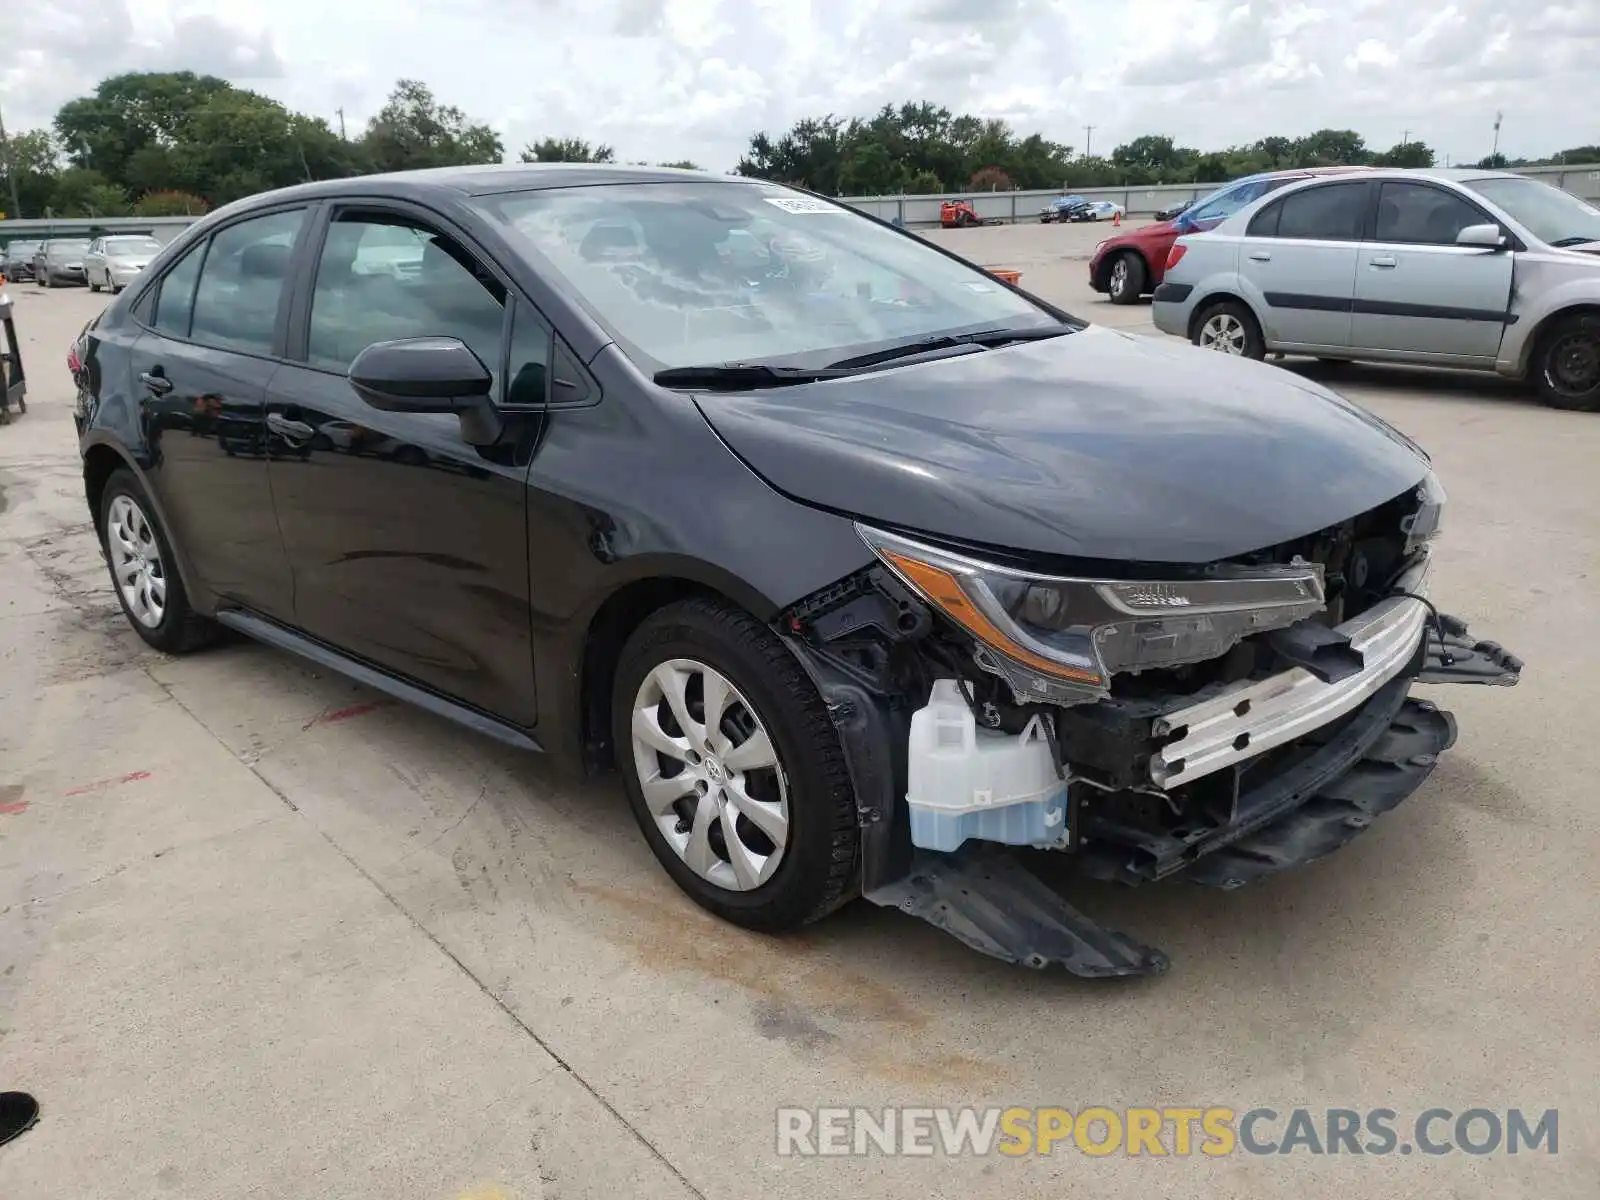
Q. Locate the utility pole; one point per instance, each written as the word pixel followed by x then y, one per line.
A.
pixel 341 125
pixel 11 167
pixel 1495 153
pixel 1405 138
pixel 1088 140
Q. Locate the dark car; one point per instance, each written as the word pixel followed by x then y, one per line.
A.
pixel 16 264
pixel 858 564
pixel 1063 208
pixel 60 260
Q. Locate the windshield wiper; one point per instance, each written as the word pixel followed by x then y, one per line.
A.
pixel 1575 240
pixel 984 337
pixel 738 377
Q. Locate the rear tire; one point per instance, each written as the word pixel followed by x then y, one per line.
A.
pixel 1566 364
pixel 93 286
pixel 1228 327
pixel 144 570
pixel 1125 282
pixel 774 752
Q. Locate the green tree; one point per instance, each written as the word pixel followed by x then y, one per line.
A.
pixel 414 130
pixel 566 150
pixel 128 113
pixel 1404 154
pixel 1331 147
pixel 34 159
pixel 85 192
pixel 682 165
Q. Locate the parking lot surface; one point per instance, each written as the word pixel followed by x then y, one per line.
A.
pixel 263 932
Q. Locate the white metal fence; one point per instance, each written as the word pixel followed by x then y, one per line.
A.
pixel 1582 181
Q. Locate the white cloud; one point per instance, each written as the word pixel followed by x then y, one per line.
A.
pixel 672 79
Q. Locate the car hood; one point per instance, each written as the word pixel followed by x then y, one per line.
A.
pixel 140 261
pixel 1095 445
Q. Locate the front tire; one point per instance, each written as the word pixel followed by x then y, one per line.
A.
pixel 1126 281
pixel 733 768
pixel 1566 364
pixel 144 571
pixel 1228 327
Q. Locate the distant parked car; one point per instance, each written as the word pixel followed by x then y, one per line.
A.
pixel 16 263
pixel 1100 210
pixel 60 260
pixel 115 262
pixel 1484 270
pixel 1130 264
pixel 1167 214
pixel 1061 209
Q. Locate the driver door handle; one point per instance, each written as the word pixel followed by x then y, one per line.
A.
pixel 156 382
pixel 1381 260
pixel 284 427
pixel 1260 256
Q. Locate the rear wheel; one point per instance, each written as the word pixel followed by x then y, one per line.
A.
pixel 1228 327
pixel 1566 365
pixel 143 570
pixel 1126 281
pixel 733 768
pixel 93 286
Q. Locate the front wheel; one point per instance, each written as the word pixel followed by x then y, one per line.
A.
pixel 1126 282
pixel 1228 327
pixel 733 767
pixel 1566 364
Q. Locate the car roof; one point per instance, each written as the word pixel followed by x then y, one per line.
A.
pixel 492 178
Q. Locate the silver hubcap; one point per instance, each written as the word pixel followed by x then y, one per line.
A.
pixel 136 562
pixel 1119 275
pixel 710 775
pixel 1223 332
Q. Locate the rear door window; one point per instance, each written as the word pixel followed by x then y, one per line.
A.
pixel 1331 212
pixel 242 282
pixel 175 297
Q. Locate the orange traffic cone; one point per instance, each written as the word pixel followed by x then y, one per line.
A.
pixel 1116 217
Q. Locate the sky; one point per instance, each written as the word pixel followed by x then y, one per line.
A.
pixel 692 79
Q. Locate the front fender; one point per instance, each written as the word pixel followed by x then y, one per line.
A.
pixel 1542 293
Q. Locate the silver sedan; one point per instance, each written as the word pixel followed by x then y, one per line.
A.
pixel 114 262
pixel 1485 270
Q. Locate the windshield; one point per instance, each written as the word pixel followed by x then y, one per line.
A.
pixel 695 273
pixel 16 249
pixel 132 245
pixel 1548 213
pixel 69 246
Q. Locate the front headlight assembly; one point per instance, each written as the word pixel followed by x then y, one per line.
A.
pixel 1060 640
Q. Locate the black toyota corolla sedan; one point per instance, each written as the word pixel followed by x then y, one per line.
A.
pixel 863 567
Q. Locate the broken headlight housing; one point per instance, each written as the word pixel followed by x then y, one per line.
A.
pixel 1060 640
pixel 1423 525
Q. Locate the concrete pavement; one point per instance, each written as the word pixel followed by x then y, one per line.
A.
pixel 262 932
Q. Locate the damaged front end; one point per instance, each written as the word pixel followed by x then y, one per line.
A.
pixel 1219 723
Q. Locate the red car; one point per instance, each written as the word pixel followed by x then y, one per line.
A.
pixel 1131 264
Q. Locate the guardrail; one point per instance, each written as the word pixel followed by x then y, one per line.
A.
pixel 1140 200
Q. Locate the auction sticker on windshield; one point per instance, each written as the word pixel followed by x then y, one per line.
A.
pixel 802 204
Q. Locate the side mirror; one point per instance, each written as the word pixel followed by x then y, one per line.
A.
pixel 429 375
pixel 1486 236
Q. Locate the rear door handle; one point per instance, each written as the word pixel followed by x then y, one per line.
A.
pixel 1260 256
pixel 284 427
pixel 156 382
pixel 1381 260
